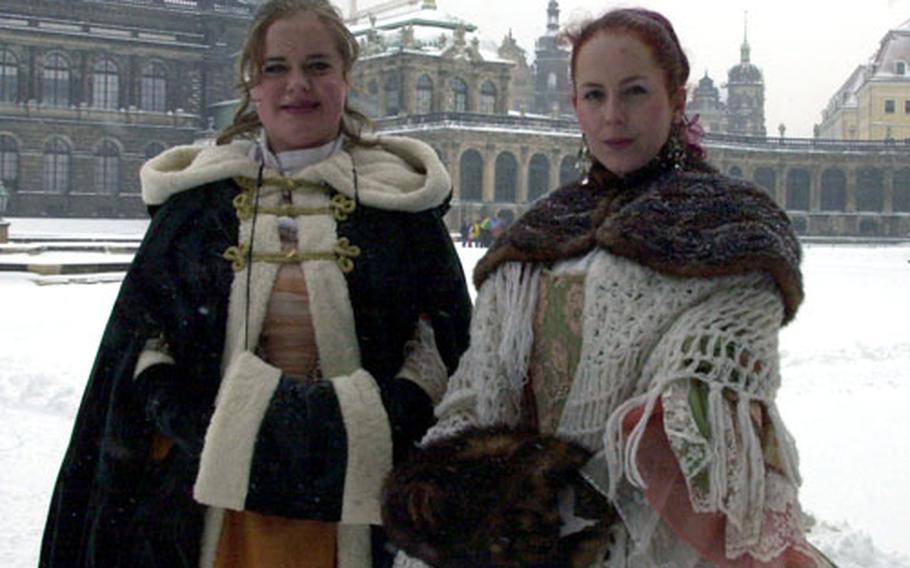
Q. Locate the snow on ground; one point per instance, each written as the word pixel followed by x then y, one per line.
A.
pixel 845 365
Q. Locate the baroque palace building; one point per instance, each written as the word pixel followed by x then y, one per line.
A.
pixel 453 92
pixel 503 126
pixel 90 89
pixel 874 101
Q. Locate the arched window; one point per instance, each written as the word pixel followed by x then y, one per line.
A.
pixel 797 190
pixel 55 83
pixel 105 85
pixel 551 81
pixel 901 201
pixel 506 185
pixel 766 178
pixel 153 150
pixel 9 161
pixel 459 95
pixel 736 172
pixel 424 95
pixel 57 165
pixel 538 176
pixel 870 190
pixel 471 175
pixel 834 190
pixel 9 77
pixel 107 168
pixel 488 98
pixel 153 88
pixel 393 95
pixel 568 170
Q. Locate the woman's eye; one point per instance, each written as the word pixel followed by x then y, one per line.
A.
pixel 274 69
pixel 319 67
pixel 636 90
pixel 593 95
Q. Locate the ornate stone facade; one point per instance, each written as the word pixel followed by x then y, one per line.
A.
pixel 89 89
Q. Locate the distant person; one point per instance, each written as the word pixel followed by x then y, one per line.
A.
pixel 620 385
pixel 282 334
pixel 475 234
pixel 465 234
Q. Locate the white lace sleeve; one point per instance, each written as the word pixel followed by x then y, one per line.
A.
pixel 422 363
pixel 727 347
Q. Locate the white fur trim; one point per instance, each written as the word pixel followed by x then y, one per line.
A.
pixel 401 174
pixel 262 279
pixel 149 358
pixel 211 536
pixel 224 470
pixel 369 442
pixel 354 546
pixel 183 167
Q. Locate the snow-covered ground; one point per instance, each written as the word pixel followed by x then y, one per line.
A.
pixel 846 367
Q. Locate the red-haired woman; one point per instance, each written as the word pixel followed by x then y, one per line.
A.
pixel 633 315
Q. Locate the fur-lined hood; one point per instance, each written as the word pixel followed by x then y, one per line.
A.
pixel 394 173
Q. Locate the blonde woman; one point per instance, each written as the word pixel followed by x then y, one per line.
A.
pixel 280 339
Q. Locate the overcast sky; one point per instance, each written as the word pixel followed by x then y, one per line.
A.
pixel 805 48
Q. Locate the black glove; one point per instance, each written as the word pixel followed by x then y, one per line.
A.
pixel 485 498
pixel 410 413
pixel 175 411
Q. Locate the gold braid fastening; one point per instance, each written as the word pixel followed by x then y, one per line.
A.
pixel 343 254
pixel 340 206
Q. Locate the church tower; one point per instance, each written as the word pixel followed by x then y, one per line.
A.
pixel 745 95
pixel 552 69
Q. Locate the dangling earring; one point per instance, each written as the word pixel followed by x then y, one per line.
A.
pixel 583 158
pixel 676 148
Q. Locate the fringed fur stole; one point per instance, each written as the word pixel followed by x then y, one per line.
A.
pixel 689 222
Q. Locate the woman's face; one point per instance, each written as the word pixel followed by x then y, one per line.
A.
pixel 622 103
pixel 302 88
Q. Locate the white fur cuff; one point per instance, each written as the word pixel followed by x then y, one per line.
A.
pixel 224 471
pixel 369 447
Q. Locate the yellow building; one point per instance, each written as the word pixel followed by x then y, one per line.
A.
pixel 874 102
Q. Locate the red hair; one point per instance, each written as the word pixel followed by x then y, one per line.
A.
pixel 656 32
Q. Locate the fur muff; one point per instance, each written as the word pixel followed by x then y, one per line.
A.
pixel 490 498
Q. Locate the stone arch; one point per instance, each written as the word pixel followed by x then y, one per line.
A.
pixel 459 95
pixel 471 176
pixel 424 95
pixel 833 190
pixel 901 196
pixel 568 170
pixel 798 181
pixel 505 188
pixel 55 80
pixel 153 87
pixel 9 161
pixel 538 176
pixel 870 190
pixel 488 98
pixel 107 166
pixel 57 158
pixel 106 84
pixel 766 178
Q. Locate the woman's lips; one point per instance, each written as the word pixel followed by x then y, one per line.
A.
pixel 617 143
pixel 300 108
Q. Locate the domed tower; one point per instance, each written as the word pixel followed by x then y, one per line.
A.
pixel 745 95
pixel 705 102
pixel 552 69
